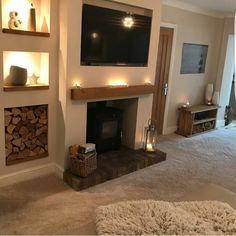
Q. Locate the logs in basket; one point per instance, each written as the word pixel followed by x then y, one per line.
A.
pixel 82 164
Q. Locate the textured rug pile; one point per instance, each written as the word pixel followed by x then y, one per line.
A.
pixel 159 217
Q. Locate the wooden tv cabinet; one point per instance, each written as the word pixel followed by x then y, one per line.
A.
pixel 197 119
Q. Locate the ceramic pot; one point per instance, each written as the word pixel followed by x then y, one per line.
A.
pixel 208 93
pixel 18 75
pixel 216 98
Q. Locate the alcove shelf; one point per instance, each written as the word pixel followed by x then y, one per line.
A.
pixel 25 88
pixel 33 14
pixel 110 92
pixel 36 64
pixel 24 32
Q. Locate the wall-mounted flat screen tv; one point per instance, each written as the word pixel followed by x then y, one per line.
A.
pixel 114 38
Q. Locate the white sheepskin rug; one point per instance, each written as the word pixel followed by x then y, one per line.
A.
pixel 165 218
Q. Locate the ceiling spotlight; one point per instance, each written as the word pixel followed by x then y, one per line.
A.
pixel 128 21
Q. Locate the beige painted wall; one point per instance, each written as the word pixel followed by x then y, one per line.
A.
pixel 191 28
pixel 10 42
pixel 92 76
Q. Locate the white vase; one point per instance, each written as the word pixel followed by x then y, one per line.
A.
pixel 208 93
pixel 216 98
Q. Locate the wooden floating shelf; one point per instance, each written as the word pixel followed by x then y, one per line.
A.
pixel 110 92
pixel 25 88
pixel 25 32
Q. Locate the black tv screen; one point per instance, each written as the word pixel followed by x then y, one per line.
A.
pixel 107 41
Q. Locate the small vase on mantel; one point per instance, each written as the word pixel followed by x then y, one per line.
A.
pixel 216 98
pixel 208 94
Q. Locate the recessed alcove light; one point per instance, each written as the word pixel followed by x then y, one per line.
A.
pixel 24 10
pixel 36 63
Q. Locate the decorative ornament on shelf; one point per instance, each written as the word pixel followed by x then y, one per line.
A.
pixel 150 137
pixel 216 98
pixel 33 79
pixel 14 22
pixel 44 27
pixel 32 18
pixel 208 94
pixel 18 76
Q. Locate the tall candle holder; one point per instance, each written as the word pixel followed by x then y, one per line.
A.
pixel 32 18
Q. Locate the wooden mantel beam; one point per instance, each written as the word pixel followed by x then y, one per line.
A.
pixel 110 92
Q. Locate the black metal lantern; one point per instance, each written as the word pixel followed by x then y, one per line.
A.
pixel 150 137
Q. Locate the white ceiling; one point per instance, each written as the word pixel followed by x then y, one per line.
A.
pixel 221 6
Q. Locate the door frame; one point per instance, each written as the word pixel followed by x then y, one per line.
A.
pixel 169 130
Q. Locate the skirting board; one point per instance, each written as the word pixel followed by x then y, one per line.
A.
pixel 58 170
pixel 170 130
pixel 31 173
pixel 220 123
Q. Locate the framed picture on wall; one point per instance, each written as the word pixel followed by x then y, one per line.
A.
pixel 194 58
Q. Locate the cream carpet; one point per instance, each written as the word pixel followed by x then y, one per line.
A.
pixel 48 206
pixel 165 218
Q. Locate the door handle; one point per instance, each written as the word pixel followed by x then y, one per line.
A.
pixel 165 89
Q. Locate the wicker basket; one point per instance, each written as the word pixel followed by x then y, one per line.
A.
pixel 82 164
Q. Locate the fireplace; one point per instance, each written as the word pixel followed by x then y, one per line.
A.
pixel 104 126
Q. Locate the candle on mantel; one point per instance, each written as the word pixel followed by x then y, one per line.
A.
pixel 77 85
pixel 32 18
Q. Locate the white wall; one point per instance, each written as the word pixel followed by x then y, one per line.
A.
pixel 10 42
pixel 74 113
pixel 191 28
pixel 227 78
pixel 224 69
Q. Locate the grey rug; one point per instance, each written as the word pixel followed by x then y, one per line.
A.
pixel 165 218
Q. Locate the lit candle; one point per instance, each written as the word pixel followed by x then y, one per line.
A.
pixel 187 103
pixel 77 85
pixel 209 103
pixel 149 147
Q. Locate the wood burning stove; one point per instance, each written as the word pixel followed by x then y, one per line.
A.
pixel 104 127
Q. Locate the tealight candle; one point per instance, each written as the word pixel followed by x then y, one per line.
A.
pixel 77 85
pixel 209 103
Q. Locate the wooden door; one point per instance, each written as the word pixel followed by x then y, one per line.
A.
pixel 162 75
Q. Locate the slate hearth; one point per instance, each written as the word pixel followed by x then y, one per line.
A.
pixel 114 164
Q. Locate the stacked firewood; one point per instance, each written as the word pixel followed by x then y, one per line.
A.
pixel 26 132
pixel 203 127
